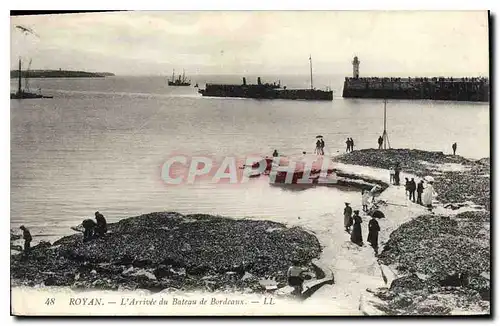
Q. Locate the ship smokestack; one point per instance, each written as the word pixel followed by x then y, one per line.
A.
pixel 258 81
pixel 244 81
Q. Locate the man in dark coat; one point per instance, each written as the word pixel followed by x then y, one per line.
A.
pixel 356 235
pixel 397 170
pixel 275 153
pixel 454 147
pixel 27 238
pixel 413 187
pixel 89 229
pixel 347 217
pixel 102 226
pixel 373 230
pixel 380 142
pixel 348 145
pixel 420 190
pixel 352 144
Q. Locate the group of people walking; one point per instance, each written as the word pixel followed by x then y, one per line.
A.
pixel 354 221
pixel 320 147
pixel 349 145
pixel 424 194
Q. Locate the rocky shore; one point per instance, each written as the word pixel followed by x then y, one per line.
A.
pixel 440 262
pixel 170 251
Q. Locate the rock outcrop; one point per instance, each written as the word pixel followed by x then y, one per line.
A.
pixel 169 250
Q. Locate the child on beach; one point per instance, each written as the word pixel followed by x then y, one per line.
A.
pixel 295 278
pixel 365 198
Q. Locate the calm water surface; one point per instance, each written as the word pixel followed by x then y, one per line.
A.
pixel 99 145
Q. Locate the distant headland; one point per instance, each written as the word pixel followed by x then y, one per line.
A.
pixel 58 74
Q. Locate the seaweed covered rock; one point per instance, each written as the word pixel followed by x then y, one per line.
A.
pixel 445 265
pixel 170 250
pixel 437 247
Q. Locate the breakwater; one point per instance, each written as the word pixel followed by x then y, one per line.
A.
pixel 476 89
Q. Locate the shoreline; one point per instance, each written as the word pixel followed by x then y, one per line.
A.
pixel 356 269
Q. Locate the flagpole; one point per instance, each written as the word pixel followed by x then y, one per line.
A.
pixel 311 68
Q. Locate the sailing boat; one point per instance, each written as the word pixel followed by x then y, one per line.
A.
pixel 180 81
pixel 22 94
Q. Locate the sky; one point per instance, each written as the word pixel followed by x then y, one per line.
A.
pixel 415 43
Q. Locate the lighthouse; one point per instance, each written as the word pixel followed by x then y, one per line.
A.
pixel 355 68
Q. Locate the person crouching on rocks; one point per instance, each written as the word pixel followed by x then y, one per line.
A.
pixel 89 229
pixel 27 239
pixel 295 278
pixel 356 236
pixel 102 226
pixel 347 217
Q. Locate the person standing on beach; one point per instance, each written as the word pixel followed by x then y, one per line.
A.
pixel 317 151
pixel 365 197
pixel 322 147
pixel 373 230
pixel 407 187
pixel 428 195
pixel 397 170
pixel 356 236
pixel 347 217
pixel 420 190
pixel 413 187
pixel 348 145
pixel 27 239
pixel 275 153
pixel 454 147
pixel 391 175
pixel 352 145
pixel 380 142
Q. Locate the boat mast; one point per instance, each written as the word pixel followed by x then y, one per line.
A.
pixel 173 75
pixel 19 79
pixel 311 68
pixel 183 76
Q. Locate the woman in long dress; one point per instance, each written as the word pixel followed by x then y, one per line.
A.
pixel 428 195
pixel 373 229
pixel 356 235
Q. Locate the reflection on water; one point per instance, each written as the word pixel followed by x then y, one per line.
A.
pixel 100 145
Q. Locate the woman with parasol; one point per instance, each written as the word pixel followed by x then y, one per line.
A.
pixel 429 193
pixel 320 145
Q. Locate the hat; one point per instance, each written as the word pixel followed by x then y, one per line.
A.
pixel 347 203
pixel 21 227
pixel 356 211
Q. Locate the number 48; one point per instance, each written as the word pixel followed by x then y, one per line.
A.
pixel 50 301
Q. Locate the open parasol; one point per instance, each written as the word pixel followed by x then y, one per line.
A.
pixel 429 178
pixel 377 214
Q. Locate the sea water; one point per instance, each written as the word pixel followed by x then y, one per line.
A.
pixel 99 144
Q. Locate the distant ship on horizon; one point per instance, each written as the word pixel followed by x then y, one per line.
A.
pixel 267 90
pixel 180 81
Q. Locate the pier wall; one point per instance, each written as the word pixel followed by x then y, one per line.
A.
pixel 436 88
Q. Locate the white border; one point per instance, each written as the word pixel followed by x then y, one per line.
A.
pixel 192 5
